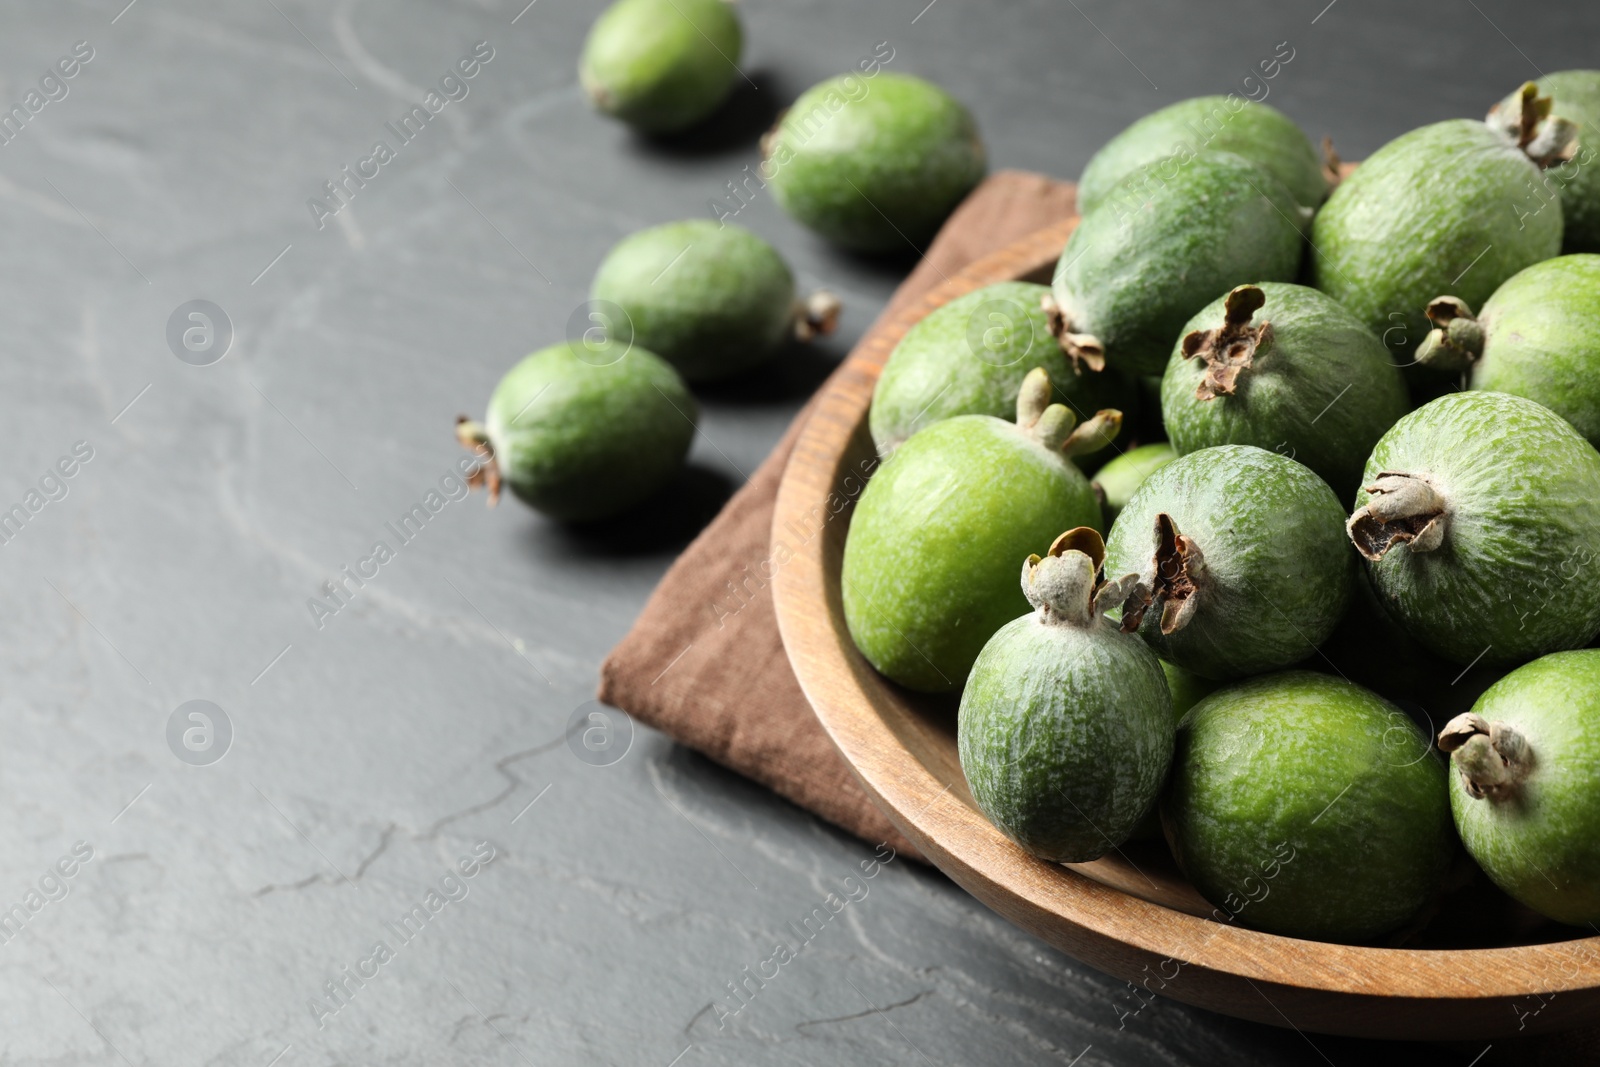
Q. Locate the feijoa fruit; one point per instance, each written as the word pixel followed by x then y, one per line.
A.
pixel 1128 279
pixel 1241 561
pixel 969 357
pixel 1575 96
pixel 1523 784
pixel 1305 805
pixel 1538 336
pixel 874 165
pixel 662 65
pixel 1262 134
pixel 1065 729
pixel 582 432
pixel 712 299
pixel 1285 368
pixel 928 573
pixel 1434 211
pixel 1480 524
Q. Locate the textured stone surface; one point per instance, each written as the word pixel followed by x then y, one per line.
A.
pixel 424 717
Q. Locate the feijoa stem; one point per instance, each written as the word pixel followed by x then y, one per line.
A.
pixel 1491 757
pixel 1404 509
pixel 474 436
pixel 1094 433
pixel 1230 349
pixel 1083 349
pixel 1456 340
pixel 1525 117
pixel 1055 426
pixel 817 315
pixel 1174 581
pixel 1063 586
pixel 1332 165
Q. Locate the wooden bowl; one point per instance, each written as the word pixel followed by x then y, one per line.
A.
pixel 1132 916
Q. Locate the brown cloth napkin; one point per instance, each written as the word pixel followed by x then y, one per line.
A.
pixel 704 663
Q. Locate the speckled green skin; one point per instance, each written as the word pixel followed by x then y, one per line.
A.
pixel 662 65
pixel 1576 96
pixel 712 300
pixel 1322 391
pixel 1121 476
pixel 1065 734
pixel 1279 568
pixel 1541 843
pixel 580 438
pixel 1542 339
pixel 1413 220
pixel 1132 278
pixel 1309 807
pixel 1262 134
pixel 930 563
pixel 968 357
pixel 874 164
pixel 1518 574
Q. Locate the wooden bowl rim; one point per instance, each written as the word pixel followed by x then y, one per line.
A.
pixel 1074 912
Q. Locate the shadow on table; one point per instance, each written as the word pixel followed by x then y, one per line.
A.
pixel 664 524
pixel 794 373
pixel 752 107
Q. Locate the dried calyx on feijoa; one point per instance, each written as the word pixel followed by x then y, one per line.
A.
pixel 1538 336
pixel 1116 482
pixel 662 65
pixel 1523 791
pixel 1480 524
pixel 1575 96
pixel 969 357
pixel 1454 207
pixel 1285 368
pixel 1241 561
pixel 1307 806
pixel 1147 258
pixel 928 573
pixel 1164 140
pixel 709 298
pixel 1065 728
pixel 874 165
pixel 583 431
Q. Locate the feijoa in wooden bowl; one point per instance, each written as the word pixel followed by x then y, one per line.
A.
pixel 1479 969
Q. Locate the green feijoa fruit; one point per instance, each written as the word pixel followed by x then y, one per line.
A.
pixel 662 65
pixel 1129 279
pixel 1263 135
pixel 1241 561
pixel 1523 791
pixel 1480 524
pixel 1285 368
pixel 1434 211
pixel 1065 729
pixel 1115 482
pixel 1187 688
pixel 1307 806
pixel 1575 96
pixel 874 165
pixel 925 578
pixel 1538 336
pixel 711 299
pixel 969 357
pixel 582 432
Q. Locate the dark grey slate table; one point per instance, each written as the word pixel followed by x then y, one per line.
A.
pixel 172 911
